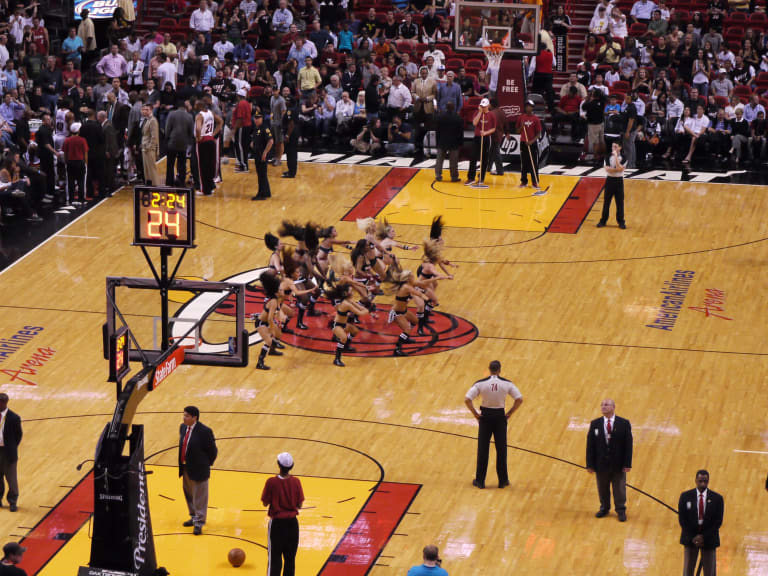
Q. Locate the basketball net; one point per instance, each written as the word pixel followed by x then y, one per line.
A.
pixel 494 53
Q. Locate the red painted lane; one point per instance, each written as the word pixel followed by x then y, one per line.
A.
pixel 365 539
pixel 575 209
pixel 380 195
pixel 55 529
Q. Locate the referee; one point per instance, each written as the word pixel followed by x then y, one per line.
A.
pixel 283 496
pixel 493 421
pixel 614 187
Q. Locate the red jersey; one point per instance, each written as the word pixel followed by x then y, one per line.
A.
pixel 284 496
pixel 75 148
pixel 529 127
pixel 486 122
pixel 243 113
pixel 38 37
pixel 544 60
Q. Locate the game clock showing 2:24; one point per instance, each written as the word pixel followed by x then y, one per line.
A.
pixel 163 216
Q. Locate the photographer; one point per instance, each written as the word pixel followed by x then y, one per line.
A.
pixel 400 134
pixel 431 564
pixel 367 140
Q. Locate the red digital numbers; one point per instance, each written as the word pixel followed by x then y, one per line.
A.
pixel 163 224
pixel 155 223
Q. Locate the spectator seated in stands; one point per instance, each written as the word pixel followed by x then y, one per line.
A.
pixel 568 111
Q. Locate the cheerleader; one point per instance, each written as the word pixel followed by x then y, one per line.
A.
pixel 403 285
pixel 329 237
pixel 301 255
pixel 288 289
pixel 368 225
pixel 436 234
pixel 428 275
pixel 266 325
pixel 385 237
pixel 343 330
pixel 274 244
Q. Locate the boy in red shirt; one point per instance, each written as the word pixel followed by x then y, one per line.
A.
pixel 283 496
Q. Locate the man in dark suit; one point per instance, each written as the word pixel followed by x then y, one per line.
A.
pixel 449 137
pixel 10 438
pixel 700 513
pixel 197 453
pixel 111 151
pixel 609 456
pixel 93 133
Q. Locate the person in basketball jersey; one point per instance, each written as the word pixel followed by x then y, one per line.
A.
pixel 614 186
pixel 207 127
pixel 64 117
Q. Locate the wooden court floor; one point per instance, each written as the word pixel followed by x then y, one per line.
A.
pixel 568 316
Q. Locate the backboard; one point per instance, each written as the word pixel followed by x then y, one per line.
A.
pixel 514 26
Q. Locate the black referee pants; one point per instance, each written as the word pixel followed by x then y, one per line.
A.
pixel 283 541
pixel 614 189
pixel 242 144
pixel 492 423
pixel 206 164
pixel 529 162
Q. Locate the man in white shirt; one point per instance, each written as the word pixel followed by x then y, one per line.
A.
pixel 695 127
pixel 642 10
pixel 223 47
pixel 4 55
pixel 753 108
pixel 492 419
pixel 201 20
pixel 250 7
pixel 166 72
pixel 345 110
pixel 436 53
pixel 399 96
pixel 282 18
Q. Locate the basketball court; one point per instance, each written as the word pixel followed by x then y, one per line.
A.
pixel 385 447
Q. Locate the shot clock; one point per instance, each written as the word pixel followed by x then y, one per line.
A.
pixel 163 216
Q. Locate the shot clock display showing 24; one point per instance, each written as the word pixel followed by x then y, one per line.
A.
pixel 163 216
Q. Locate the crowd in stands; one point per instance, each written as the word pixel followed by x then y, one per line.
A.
pixel 368 76
pixel 672 80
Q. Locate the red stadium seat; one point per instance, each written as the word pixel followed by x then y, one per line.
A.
pixel 722 101
pixel 474 64
pixel 743 92
pixel 637 29
pixel 454 63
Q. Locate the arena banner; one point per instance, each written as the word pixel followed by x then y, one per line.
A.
pixel 561 52
pixel 97 9
pixel 510 90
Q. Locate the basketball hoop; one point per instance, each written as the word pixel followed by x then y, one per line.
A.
pixel 494 53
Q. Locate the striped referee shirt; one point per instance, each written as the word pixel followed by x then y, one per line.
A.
pixel 493 391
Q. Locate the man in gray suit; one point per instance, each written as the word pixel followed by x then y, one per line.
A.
pixel 150 145
pixel 111 152
pixel 180 135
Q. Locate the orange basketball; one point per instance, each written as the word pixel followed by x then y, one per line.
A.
pixel 236 557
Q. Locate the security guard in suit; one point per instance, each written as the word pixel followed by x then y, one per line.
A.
pixel 291 132
pixel 262 144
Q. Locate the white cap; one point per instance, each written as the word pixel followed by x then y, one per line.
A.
pixel 242 92
pixel 485 102
pixel 75 127
pixel 285 460
pixel 722 71
pixel 204 57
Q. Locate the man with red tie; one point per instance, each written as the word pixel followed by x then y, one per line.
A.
pixel 700 513
pixel 197 453
pixel 609 457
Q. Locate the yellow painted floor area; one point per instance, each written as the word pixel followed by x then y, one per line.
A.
pixel 501 206
pixel 236 519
